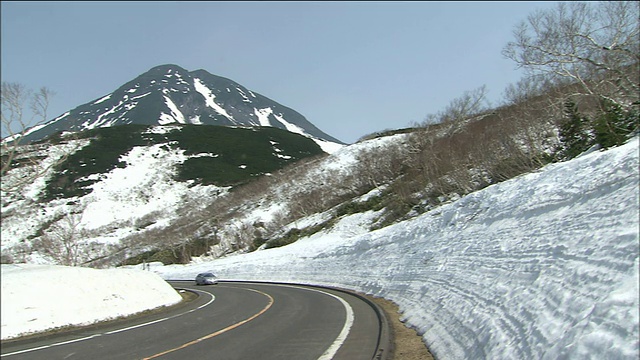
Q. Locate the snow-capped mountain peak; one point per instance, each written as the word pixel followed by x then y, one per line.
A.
pixel 169 94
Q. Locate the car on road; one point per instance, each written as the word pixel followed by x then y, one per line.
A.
pixel 206 278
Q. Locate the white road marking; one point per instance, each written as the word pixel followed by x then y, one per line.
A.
pixel 327 355
pixel 337 343
pixel 333 349
pixel 114 331
pixel 221 331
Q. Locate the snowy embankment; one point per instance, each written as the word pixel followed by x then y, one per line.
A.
pixel 543 266
pixel 42 297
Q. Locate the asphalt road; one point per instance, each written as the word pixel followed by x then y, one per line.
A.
pixel 231 320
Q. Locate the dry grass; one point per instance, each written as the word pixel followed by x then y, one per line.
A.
pixel 407 344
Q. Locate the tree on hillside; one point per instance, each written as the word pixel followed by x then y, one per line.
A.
pixel 526 89
pixel 64 241
pixel 20 110
pixel 595 46
pixel 15 122
pixel 460 110
pixel 575 135
pixel 614 125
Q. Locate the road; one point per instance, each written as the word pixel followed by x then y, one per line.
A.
pixel 231 320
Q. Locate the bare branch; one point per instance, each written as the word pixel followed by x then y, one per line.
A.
pixel 15 125
pixel 594 45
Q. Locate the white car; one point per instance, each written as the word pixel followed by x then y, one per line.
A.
pixel 206 278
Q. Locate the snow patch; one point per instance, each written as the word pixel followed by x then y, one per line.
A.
pixel 140 188
pixel 210 98
pixel 102 99
pixel 175 116
pixel 140 96
pixel 328 146
pixel 244 96
pixel 263 116
pixel 289 126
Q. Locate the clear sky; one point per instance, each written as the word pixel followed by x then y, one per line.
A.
pixel 351 68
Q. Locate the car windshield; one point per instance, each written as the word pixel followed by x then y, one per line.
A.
pixel 206 275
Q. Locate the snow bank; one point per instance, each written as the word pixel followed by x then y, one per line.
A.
pixel 42 297
pixel 544 266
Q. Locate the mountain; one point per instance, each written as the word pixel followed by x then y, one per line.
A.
pixel 169 94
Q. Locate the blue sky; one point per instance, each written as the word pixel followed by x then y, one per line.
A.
pixel 351 68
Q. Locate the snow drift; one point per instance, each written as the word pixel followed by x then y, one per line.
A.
pixel 42 297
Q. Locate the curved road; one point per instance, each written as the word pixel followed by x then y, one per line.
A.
pixel 231 320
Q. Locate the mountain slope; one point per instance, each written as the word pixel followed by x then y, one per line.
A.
pixel 169 94
pixel 115 182
pixel 217 155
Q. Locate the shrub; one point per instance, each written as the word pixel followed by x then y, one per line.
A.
pixel 257 242
pixel 613 127
pixel 294 235
pixel 574 132
pixel 6 259
pixel 373 203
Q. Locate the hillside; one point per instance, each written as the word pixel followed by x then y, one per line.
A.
pixel 150 171
pixel 214 155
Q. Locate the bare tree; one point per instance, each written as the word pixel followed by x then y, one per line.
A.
pixel 64 241
pixel 461 110
pixel 470 103
pixel 380 165
pixel 15 122
pixel 22 109
pixel 593 45
pixel 526 89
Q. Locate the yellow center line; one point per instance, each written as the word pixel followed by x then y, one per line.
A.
pixel 230 327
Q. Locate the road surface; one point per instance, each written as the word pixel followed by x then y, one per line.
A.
pixel 231 320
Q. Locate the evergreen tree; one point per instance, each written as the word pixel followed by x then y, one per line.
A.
pixel 613 127
pixel 575 136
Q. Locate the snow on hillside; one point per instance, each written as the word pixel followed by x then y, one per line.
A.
pixel 143 191
pixel 543 266
pixel 328 146
pixel 145 186
pixel 121 201
pixel 339 165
